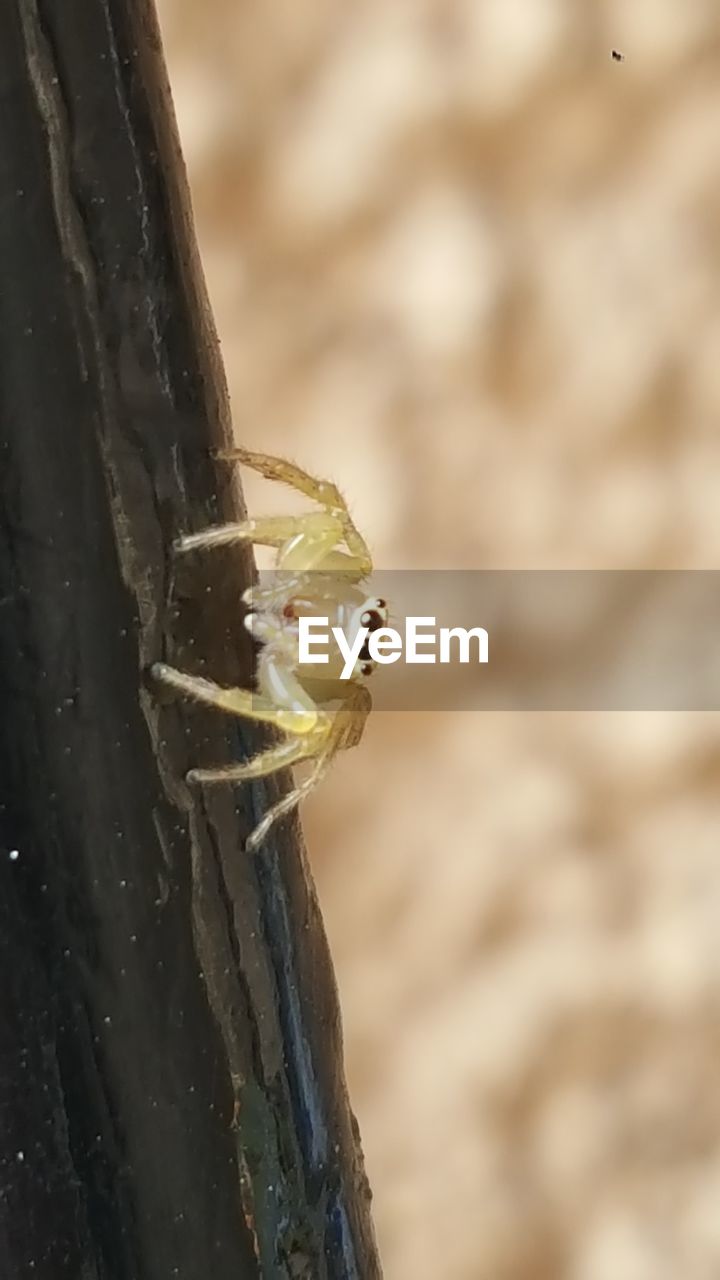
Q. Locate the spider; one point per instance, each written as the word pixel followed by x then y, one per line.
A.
pixel 322 561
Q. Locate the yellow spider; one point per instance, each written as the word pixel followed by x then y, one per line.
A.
pixel 321 563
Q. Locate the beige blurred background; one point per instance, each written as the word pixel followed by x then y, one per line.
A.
pixel 468 265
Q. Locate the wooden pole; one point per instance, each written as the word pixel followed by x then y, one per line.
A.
pixel 172 1098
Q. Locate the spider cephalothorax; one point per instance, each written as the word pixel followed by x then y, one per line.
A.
pixel 322 561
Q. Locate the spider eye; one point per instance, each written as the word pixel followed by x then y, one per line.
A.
pixel 366 669
pixel 372 619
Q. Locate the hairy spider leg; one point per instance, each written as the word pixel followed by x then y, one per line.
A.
pixel 348 724
pixel 319 584
pixel 344 731
pixel 286 805
pixel 279 756
pixel 299 715
pixel 271 594
pixel 305 543
pixel 323 492
pixel 268 531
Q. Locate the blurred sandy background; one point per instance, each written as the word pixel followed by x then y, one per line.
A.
pixel 467 264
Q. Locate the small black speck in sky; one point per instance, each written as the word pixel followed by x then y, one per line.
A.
pixel 617 56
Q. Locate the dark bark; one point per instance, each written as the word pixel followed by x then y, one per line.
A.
pixel 172 1101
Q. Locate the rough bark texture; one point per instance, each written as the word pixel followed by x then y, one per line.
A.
pixel 172 1100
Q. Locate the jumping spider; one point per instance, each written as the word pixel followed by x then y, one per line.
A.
pixel 321 562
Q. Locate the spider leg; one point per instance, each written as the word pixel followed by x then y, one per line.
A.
pixel 323 492
pixel 348 723
pixel 287 803
pixel 276 757
pixel 241 702
pixel 275 592
pixel 283 585
pixel 305 542
pixel 344 731
pixel 270 531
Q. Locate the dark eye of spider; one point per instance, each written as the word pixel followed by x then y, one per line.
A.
pixel 366 669
pixel 372 619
